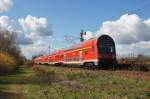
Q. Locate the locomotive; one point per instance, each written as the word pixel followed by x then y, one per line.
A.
pixel 96 52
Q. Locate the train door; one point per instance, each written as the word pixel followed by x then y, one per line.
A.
pixel 80 56
pixel 65 59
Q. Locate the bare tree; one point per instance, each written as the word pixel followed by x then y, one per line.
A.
pixel 8 44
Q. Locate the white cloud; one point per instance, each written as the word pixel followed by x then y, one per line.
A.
pixel 36 26
pixel 34 36
pixel 88 35
pixel 5 5
pixel 40 31
pixel 38 47
pixel 127 29
pixel 142 47
pixel 23 39
pixel 130 32
pixel 6 24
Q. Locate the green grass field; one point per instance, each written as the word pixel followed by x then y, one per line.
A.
pixel 75 83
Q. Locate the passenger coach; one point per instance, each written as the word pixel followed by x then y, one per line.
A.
pixel 99 52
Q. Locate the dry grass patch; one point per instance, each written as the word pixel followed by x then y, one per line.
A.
pixel 7 63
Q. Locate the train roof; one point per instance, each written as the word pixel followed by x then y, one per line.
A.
pixel 73 46
pixel 81 43
pixel 76 46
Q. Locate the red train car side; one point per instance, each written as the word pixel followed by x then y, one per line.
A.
pixel 99 51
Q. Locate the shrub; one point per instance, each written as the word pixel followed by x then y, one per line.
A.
pixel 7 63
pixel 44 75
pixel 141 67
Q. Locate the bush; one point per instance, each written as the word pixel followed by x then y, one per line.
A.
pixel 140 67
pixel 44 75
pixel 7 63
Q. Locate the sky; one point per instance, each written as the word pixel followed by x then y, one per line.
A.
pixel 39 24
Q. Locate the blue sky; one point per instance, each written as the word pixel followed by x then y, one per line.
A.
pixel 68 17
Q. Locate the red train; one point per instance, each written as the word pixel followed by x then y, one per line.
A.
pixel 98 51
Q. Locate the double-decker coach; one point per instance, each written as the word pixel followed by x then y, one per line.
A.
pixel 98 51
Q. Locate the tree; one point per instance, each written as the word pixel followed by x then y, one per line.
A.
pixel 8 44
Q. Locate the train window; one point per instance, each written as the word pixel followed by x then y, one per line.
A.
pixel 111 49
pixel 93 49
pixel 77 58
pixel 86 51
pixel 74 59
pixel 65 58
pixel 106 49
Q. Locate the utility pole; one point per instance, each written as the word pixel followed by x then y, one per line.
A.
pixel 81 35
pixel 71 39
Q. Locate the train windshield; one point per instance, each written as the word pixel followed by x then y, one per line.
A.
pixel 106 49
pixel 106 44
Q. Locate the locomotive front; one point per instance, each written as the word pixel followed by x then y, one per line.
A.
pixel 106 51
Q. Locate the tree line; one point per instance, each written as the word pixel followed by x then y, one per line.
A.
pixel 9 51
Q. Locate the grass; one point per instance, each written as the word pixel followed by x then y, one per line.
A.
pixel 68 83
